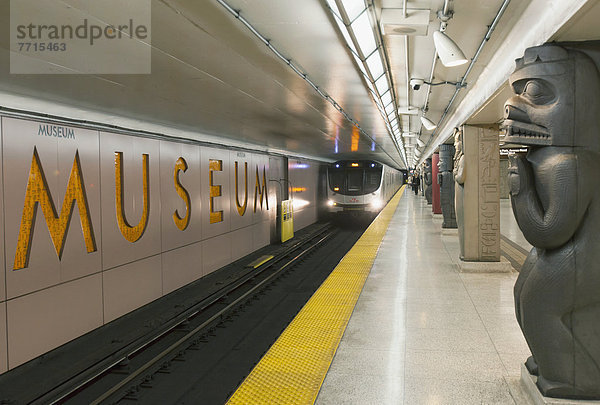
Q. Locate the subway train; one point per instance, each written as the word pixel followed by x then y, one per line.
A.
pixel 361 186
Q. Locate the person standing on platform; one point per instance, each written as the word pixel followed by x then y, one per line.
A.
pixel 415 183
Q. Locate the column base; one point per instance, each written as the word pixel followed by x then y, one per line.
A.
pixel 449 231
pixel 503 266
pixel 531 390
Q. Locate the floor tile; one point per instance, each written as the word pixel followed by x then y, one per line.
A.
pixel 352 360
pixel 426 391
pixel 349 389
pixel 423 333
pixel 462 340
pixel 443 320
pixel 451 365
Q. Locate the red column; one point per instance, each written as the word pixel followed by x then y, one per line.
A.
pixel 435 186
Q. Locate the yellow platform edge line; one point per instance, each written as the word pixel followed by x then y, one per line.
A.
pixel 294 368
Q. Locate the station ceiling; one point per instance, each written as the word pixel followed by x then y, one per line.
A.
pixel 213 78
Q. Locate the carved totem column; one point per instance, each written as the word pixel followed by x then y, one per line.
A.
pixel 428 180
pixel 555 197
pixel 459 190
pixel 480 211
pixel 435 186
pixel 446 181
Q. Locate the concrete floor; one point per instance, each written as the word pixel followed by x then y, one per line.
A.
pixel 422 333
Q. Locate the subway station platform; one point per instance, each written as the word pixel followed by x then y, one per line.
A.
pixel 419 333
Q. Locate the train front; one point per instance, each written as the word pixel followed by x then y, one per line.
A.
pixel 355 185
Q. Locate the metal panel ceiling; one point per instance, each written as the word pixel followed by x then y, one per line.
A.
pixel 212 76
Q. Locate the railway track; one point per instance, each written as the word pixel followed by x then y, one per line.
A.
pixel 202 355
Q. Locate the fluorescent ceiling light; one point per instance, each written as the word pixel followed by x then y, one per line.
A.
pixel 386 98
pixel 408 135
pixel 346 35
pixel 389 108
pixel 420 142
pixel 375 65
pixel 332 4
pixel 361 66
pixel 370 86
pixel 449 53
pixel 428 124
pixel 382 84
pixel 353 8
pixel 363 31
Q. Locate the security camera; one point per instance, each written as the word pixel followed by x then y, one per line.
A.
pixel 416 84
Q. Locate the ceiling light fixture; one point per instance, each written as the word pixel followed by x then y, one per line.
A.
pixel 450 54
pixel 289 62
pixel 428 124
pixel 358 23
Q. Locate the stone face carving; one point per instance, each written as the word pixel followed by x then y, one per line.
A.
pixel 556 202
pixel 446 181
pixel 427 176
pixel 459 178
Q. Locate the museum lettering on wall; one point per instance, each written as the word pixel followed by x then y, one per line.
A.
pixel 38 193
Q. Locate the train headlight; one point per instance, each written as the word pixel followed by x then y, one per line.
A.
pixel 330 203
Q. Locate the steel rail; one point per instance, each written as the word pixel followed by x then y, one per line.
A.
pixel 189 337
pixel 59 392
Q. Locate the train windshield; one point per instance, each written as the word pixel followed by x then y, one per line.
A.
pixel 355 178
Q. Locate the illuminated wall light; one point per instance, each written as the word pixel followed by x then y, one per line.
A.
pixel 372 146
pixel 298 204
pixel 355 138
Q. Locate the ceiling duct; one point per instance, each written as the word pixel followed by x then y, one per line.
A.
pixel 395 22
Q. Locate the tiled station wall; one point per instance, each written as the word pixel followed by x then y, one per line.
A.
pixel 52 300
